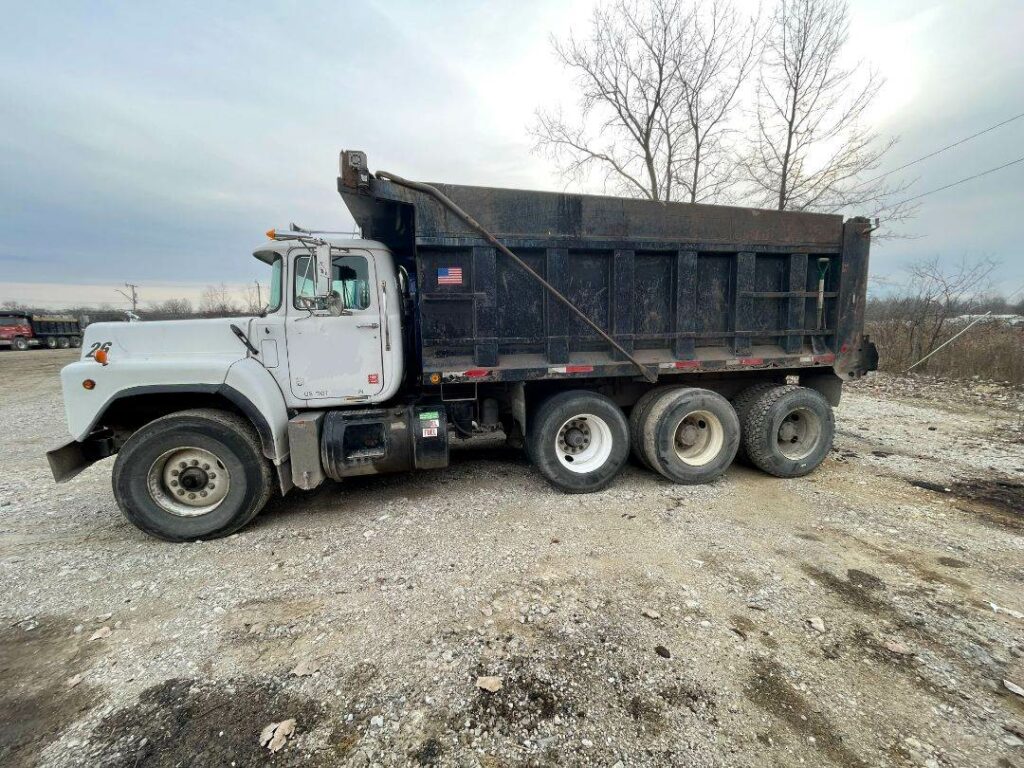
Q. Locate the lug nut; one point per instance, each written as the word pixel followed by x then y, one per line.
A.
pixel 195 462
pixel 175 472
pixel 206 466
pixel 211 486
pixel 203 494
pixel 182 464
pixel 181 492
pixel 191 495
pixel 174 483
pixel 213 475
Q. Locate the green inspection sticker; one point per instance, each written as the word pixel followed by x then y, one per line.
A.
pixel 429 415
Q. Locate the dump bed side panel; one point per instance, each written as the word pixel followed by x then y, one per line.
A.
pixel 684 288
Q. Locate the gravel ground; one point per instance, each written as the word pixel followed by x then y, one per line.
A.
pixel 865 615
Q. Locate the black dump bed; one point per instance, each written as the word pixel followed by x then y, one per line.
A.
pixel 681 287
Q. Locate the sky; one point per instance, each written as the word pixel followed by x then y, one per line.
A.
pixel 153 143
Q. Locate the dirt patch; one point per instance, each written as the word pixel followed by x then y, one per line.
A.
pixel 856 596
pixel 769 689
pixel 37 658
pixel 527 698
pixel 952 562
pixel 188 722
pixel 864 579
pixel 996 500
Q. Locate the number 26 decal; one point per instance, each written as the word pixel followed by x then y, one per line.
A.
pixel 96 347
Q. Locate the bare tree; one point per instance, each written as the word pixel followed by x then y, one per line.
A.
pixel 715 54
pixel 216 301
pixel 915 317
pixel 171 308
pixel 252 299
pixel 630 124
pixel 812 147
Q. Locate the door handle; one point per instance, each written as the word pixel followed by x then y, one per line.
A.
pixel 367 325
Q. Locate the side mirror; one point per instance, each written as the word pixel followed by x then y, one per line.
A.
pixel 322 288
pixel 335 304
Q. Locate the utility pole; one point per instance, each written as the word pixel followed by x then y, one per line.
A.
pixel 134 298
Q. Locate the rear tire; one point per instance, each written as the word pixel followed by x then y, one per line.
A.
pixel 63 342
pixel 51 342
pixel 197 474
pixel 20 343
pixel 638 416
pixel 788 431
pixel 742 404
pixel 578 440
pixel 76 341
pixel 690 435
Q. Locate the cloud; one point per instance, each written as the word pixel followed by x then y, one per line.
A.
pixel 155 143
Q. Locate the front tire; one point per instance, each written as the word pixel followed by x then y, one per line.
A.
pixel 788 430
pixel 578 440
pixel 20 343
pixel 197 474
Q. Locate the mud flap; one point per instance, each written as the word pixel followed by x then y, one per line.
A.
pixel 70 459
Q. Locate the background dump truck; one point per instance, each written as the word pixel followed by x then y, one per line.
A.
pixel 582 327
pixel 21 330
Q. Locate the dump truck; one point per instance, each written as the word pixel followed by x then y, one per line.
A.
pixel 584 328
pixel 21 330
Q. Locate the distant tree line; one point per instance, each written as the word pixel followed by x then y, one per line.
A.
pixel 215 301
pixel 913 318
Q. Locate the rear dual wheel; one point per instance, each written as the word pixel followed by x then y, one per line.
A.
pixel 688 435
pixel 787 429
pixel 578 440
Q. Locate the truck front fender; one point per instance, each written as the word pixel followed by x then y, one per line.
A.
pixel 254 390
pixel 244 383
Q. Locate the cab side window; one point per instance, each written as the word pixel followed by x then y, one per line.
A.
pixel 350 277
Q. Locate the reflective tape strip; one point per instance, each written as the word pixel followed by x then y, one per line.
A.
pixel 572 369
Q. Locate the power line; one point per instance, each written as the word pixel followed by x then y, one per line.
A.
pixel 944 149
pixel 958 183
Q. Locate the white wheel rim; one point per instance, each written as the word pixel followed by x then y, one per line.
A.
pixel 699 438
pixel 188 482
pixel 798 434
pixel 583 443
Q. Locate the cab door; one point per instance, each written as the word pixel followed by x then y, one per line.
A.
pixel 336 358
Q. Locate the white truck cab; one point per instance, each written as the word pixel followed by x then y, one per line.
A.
pixel 330 336
pixel 323 356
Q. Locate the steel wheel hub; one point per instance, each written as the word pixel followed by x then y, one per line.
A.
pixel 699 438
pixel 188 482
pixel 799 433
pixel 574 437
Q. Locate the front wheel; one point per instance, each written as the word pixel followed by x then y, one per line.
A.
pixel 788 430
pixel 578 441
pixel 20 343
pixel 196 474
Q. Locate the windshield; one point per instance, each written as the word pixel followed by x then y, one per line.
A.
pixel 276 280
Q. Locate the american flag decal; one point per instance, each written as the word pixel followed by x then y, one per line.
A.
pixel 449 275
